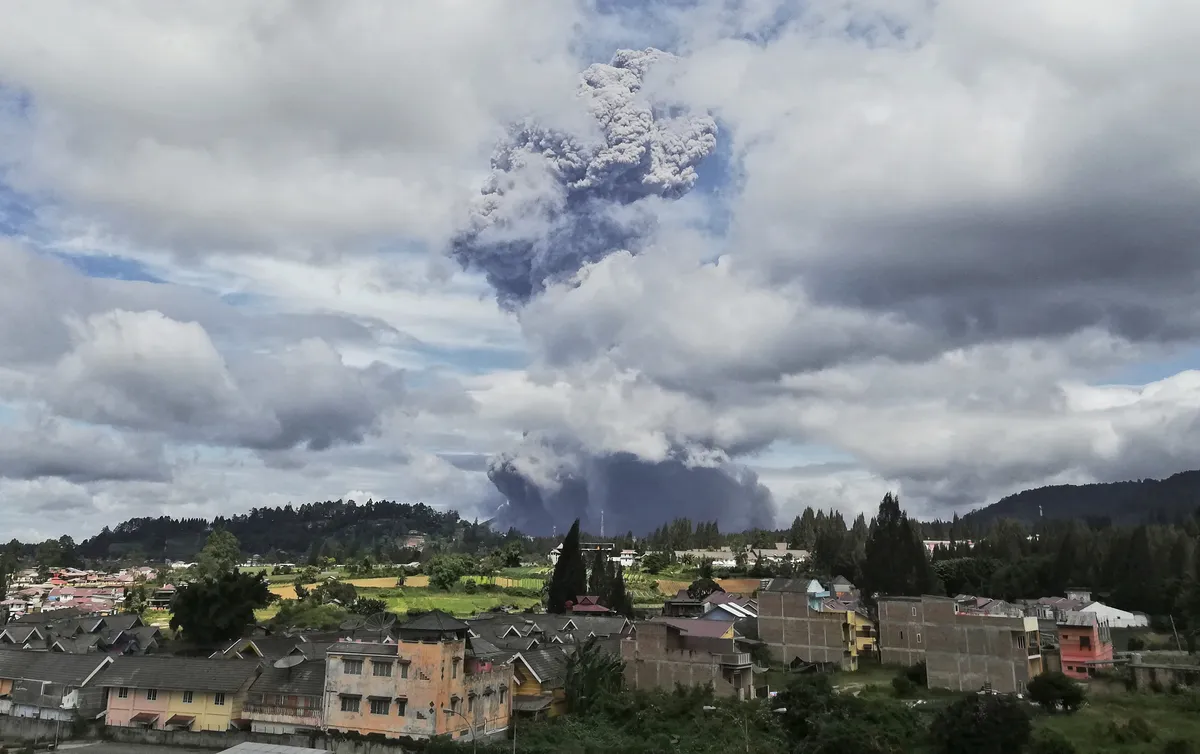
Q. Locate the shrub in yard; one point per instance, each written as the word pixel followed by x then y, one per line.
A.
pixel 470 587
pixel 1179 746
pixel 902 685
pixel 1051 742
pixel 918 673
pixel 1136 643
pixel 982 724
pixel 1134 730
pixel 1054 690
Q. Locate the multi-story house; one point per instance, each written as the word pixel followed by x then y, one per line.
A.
pixel 287 697
pixel 962 652
pixel 178 693
pixel 796 627
pixel 667 651
pixel 1084 644
pixel 539 677
pixel 428 683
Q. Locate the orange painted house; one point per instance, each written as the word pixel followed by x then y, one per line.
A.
pixel 1083 639
pixel 429 682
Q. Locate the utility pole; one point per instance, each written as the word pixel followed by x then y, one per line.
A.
pixel 601 523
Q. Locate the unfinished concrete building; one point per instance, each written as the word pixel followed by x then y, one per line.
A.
pixel 667 651
pixel 793 631
pixel 962 652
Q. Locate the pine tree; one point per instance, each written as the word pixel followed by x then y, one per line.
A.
pixel 569 579
pixel 895 560
pixel 598 578
pixel 619 600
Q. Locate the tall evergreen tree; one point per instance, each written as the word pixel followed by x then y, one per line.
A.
pixel 895 561
pixel 569 579
pixel 598 578
pixel 619 600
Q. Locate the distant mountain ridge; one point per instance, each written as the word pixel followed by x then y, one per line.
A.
pixel 1120 503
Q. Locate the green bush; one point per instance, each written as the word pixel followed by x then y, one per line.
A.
pixel 1134 730
pixel 1055 690
pixel 470 587
pixel 1051 742
pixel 902 685
pixel 982 724
pixel 1179 746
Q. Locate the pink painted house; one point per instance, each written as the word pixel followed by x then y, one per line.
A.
pixel 1084 642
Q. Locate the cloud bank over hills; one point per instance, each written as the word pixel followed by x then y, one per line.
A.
pixel 802 257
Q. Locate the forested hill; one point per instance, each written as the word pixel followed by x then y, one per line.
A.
pixel 1143 501
pixel 335 528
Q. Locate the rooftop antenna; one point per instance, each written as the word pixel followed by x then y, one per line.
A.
pixel 601 523
pixel 379 622
pixel 288 662
pixel 352 624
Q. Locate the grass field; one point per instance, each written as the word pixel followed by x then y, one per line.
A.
pixel 1169 715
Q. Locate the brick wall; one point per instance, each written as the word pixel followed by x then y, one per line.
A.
pixel 792 630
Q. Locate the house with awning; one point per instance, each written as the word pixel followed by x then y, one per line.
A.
pixel 178 693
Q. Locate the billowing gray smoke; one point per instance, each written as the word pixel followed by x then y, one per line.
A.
pixel 554 203
pixel 635 495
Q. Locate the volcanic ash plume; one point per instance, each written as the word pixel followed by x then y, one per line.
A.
pixel 556 201
pixel 550 487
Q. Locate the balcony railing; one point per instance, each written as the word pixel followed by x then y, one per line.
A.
pixel 739 659
pixel 270 709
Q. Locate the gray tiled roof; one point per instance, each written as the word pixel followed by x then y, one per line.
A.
pixel 56 667
pixel 178 673
pixel 305 679
pixel 548 663
pixel 1073 618
pixel 435 620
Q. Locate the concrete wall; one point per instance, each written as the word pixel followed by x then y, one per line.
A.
pixel 792 630
pixel 900 621
pixel 652 662
pixel 962 652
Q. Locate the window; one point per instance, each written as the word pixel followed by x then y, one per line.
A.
pixel 122 693
pixel 1085 642
pixel 404 670
pixel 401 707
pixel 151 695
pixel 901 636
pixel 914 610
pixel 502 691
pixel 350 703
pixel 219 699
pixel 454 700
pixel 352 667
pixel 380 706
pixel 187 697
pixel 454 668
pixel 381 669
pixel 1019 640
pixel 470 704
pixel 918 638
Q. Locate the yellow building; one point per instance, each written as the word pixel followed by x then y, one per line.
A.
pixel 176 692
pixel 865 636
pixel 540 675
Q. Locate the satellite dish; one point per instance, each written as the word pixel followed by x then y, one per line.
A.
pixel 379 622
pixel 289 661
pixel 352 623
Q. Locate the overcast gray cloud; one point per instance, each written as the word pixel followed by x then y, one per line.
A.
pixel 920 239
